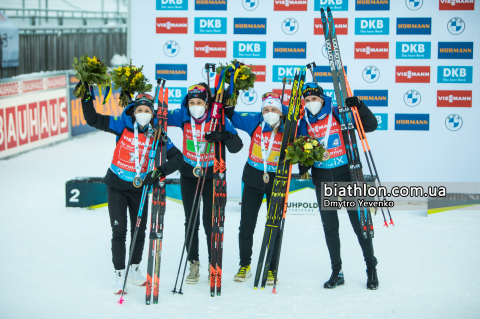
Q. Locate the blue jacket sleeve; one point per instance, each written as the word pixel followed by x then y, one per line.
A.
pixel 246 121
pixel 302 128
pixel 175 118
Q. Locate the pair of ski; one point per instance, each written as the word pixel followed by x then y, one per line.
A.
pixel 349 116
pixel 159 135
pixel 158 201
pixel 277 208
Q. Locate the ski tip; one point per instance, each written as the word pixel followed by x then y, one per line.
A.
pixel 120 301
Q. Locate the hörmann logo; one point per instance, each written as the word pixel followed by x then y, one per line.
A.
pixel 289 50
pixel 211 25
pixel 364 5
pixel 413 50
pixel 281 71
pixel 373 97
pixel 412 74
pixel 414 25
pixel 172 4
pixel 455 50
pixel 210 4
pixel 172 25
pixel 382 120
pixel 323 73
pixel 454 74
pixel 456 4
pixel 210 49
pixel 454 98
pixel 243 49
pixel 249 26
pixel 335 5
pixel 260 71
pixel 412 122
pixel 289 5
pixel 341 26
pixel 171 71
pixel 372 26
pixel 371 50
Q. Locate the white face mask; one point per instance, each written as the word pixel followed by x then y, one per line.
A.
pixel 314 107
pixel 197 111
pixel 143 118
pixel 271 118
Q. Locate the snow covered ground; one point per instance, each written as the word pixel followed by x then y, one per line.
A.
pixel 56 261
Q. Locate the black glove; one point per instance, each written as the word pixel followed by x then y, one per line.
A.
pixel 152 176
pixel 227 95
pixel 218 136
pixel 354 101
pixel 303 169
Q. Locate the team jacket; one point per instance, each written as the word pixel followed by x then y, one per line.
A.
pixel 337 164
pixel 181 118
pixel 122 169
pixel 253 170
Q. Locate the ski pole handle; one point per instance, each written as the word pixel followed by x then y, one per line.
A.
pixel 310 66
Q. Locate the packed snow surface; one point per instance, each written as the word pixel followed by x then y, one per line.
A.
pixel 56 261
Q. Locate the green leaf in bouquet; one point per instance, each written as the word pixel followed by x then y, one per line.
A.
pixel 84 75
pixel 77 76
pixel 75 60
pixel 302 158
pixel 294 160
pixel 310 162
pixel 298 151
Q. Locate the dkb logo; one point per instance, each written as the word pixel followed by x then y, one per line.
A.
pixel 453 122
pixel 371 74
pixel 290 26
pixel 455 26
pixel 249 97
pixel 412 98
pixel 171 48
pixel 250 4
pixel 414 4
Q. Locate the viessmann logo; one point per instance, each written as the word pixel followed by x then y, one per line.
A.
pixel 363 5
pixel 373 97
pixel 412 74
pixel 260 71
pixel 371 50
pixel 172 25
pixel 454 98
pixel 290 5
pixel 457 4
pixel 341 26
pixel 455 50
pixel 249 26
pixel 210 49
pixel 414 25
pixel 412 122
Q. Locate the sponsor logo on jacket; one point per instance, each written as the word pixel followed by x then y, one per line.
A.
pixel 413 50
pixel 455 50
pixel 341 26
pixel 454 74
pixel 414 25
pixel 372 26
pixel 412 122
pixel 362 5
pixel 371 50
pixel 211 25
pixel 412 74
pixel 172 25
pixel 210 49
pixel 250 26
pixel 289 50
pixel 449 98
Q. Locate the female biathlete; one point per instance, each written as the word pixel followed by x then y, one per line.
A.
pixel 193 117
pixel 266 131
pixel 134 131
pixel 321 121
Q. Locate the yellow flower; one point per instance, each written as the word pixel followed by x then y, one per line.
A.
pixel 243 77
pixel 139 74
pixel 134 68
pixel 308 146
pixel 315 143
pixel 307 151
pixel 127 71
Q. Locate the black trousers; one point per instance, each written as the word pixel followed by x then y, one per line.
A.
pixel 118 202
pixel 188 187
pixel 251 202
pixel 332 236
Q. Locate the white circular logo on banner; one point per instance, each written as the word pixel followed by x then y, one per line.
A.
pixel 453 122
pixel 249 97
pixel 414 4
pixel 371 74
pixel 212 74
pixel 250 4
pixel 455 26
pixel 171 48
pixel 324 51
pixel 412 98
pixel 290 26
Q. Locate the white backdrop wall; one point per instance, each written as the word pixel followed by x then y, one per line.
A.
pixel 443 149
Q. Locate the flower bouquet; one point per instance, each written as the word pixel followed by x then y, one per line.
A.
pixel 130 79
pixel 238 76
pixel 305 150
pixel 90 72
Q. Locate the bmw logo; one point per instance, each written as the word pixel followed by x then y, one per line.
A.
pixel 325 51
pixel 414 4
pixel 212 74
pixel 412 98
pixel 290 26
pixel 455 26
pixel 453 122
pixel 171 48
pixel 250 5
pixel 371 74
pixel 249 97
